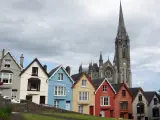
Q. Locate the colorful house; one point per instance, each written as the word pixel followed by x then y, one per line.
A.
pixel 33 85
pixel 139 104
pixel 123 101
pixel 153 105
pixel 104 98
pixel 60 88
pixel 83 94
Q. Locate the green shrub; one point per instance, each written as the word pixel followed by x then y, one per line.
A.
pixel 5 112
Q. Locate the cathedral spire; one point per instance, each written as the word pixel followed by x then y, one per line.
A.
pixel 100 59
pixel 121 26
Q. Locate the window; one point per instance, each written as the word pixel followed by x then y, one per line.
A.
pixel 140 108
pixel 60 76
pixel 34 71
pixel 104 88
pixel 155 101
pixel 123 93
pixel 33 85
pixel 105 101
pixel 59 91
pixel 7 63
pixel 124 105
pixel 140 97
pixel 14 93
pixel 83 83
pixel 56 104
pixel 80 109
pixel 155 112
pixel 83 96
pixel 6 78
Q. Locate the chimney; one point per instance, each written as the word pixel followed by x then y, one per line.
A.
pixel 68 69
pixel 21 60
pixel 3 52
pixel 45 67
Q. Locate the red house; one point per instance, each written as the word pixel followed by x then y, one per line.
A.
pixel 104 98
pixel 123 101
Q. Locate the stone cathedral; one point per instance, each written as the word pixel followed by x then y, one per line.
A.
pixel 120 70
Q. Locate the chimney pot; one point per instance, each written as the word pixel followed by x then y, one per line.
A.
pixel 21 60
pixel 68 69
pixel 45 67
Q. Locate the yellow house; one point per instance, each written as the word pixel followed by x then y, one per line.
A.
pixel 83 94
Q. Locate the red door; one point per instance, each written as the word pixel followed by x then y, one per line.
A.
pixel 91 110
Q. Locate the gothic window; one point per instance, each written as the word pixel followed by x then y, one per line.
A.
pixel 124 51
pixel 108 73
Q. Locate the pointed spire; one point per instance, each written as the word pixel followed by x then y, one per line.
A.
pixel 121 26
pixel 100 57
pixel 80 68
pixel 108 57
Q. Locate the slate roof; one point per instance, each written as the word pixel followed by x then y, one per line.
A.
pixel 117 86
pixel 76 77
pixel 134 91
pixel 149 95
pixel 31 64
pixel 97 82
pixel 53 70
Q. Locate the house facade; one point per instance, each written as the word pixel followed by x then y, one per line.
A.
pixel 9 75
pixel 33 83
pixel 139 104
pixel 123 101
pixel 104 98
pixel 83 94
pixel 153 105
pixel 60 88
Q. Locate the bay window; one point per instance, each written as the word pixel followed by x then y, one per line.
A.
pixel 6 78
pixel 83 96
pixel 59 91
pixel 105 101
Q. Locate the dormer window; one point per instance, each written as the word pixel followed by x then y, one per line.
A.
pixel 34 71
pixel 104 88
pixel 7 63
pixel 123 93
pixel 155 101
pixel 60 76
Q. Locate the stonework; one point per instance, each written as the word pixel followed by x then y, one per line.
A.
pixel 120 69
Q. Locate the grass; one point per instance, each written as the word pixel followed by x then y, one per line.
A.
pixel 5 112
pixel 28 116
pixel 78 116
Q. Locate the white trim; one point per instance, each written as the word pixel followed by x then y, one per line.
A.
pixel 64 71
pixel 105 79
pixel 13 59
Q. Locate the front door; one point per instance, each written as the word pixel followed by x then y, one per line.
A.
pixel 68 106
pixel 42 100
pixel 102 113
pixel 29 98
pixel 91 110
pixel 111 113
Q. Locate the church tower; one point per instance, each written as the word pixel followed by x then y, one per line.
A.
pixel 122 53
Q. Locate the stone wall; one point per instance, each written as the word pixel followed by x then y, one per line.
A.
pixel 4 102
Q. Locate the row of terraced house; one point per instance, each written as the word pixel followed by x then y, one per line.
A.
pixel 78 92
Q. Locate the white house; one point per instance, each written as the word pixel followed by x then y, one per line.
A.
pixel 33 85
pixel 153 105
pixel 139 104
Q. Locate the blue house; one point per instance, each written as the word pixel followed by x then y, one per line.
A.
pixel 60 88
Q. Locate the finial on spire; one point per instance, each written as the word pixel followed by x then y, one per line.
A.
pixel 108 57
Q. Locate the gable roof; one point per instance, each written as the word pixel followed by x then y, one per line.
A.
pixel 35 60
pixel 99 82
pixel 13 59
pixel 77 77
pixel 55 70
pixel 149 95
pixel 117 87
pixel 134 91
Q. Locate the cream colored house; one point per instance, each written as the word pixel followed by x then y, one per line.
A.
pixel 83 94
pixel 139 104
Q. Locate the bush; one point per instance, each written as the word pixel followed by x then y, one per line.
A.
pixel 5 112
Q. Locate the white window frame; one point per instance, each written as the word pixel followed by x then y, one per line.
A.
pixel 104 88
pixel 60 76
pixel 59 91
pixel 84 96
pixel 10 78
pixel 56 103
pixel 8 62
pixel 102 100
pixel 80 108
pixel 84 82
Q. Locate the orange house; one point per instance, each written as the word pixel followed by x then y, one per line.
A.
pixel 123 101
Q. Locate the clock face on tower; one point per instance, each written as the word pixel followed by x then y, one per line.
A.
pixel 108 73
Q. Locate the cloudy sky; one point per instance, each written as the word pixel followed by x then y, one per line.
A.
pixel 71 32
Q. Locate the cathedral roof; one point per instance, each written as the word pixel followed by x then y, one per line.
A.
pixel 95 67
